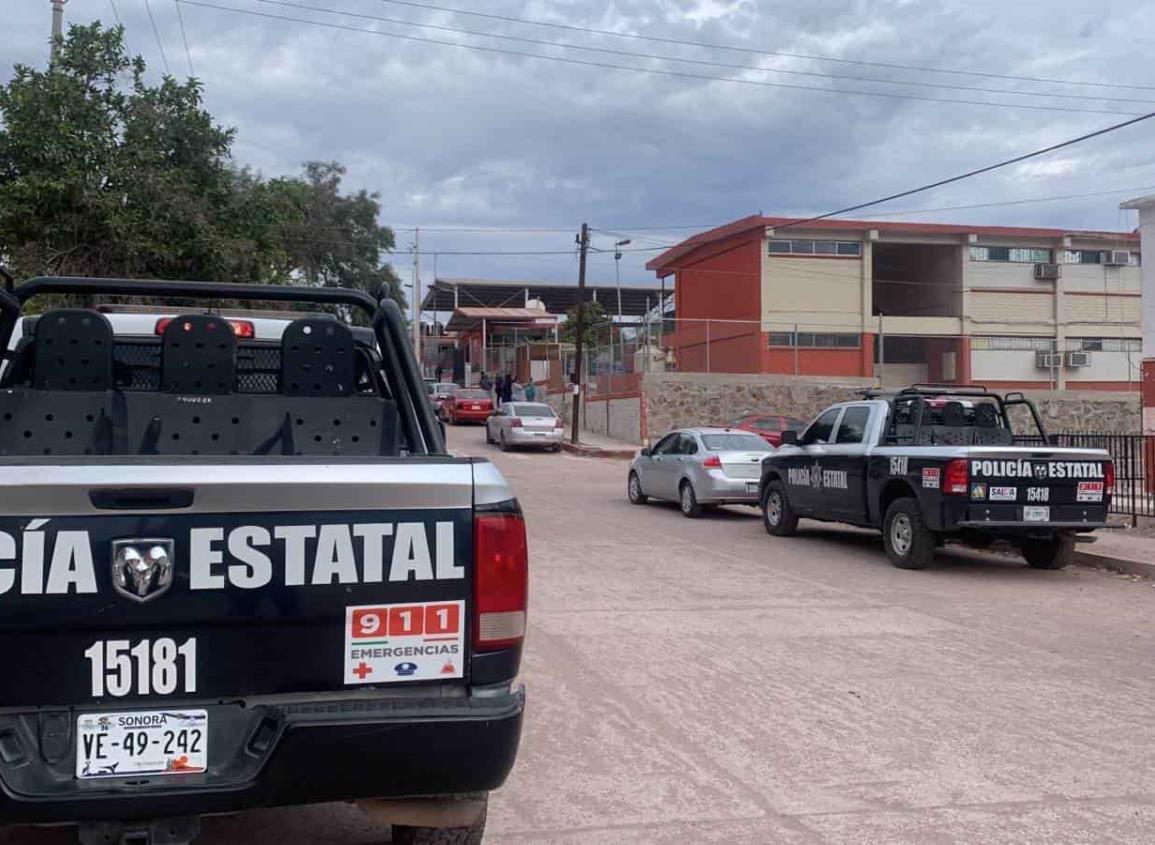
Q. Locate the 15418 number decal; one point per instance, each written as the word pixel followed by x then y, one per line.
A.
pixel 146 667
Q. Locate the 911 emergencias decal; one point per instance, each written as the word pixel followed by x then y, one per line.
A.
pixel 404 642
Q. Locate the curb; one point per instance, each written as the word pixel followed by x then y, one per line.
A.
pixel 1115 564
pixel 597 452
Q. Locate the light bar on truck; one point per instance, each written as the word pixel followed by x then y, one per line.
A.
pixel 500 580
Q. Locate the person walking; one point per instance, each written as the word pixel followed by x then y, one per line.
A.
pixel 506 389
pixel 485 383
pixel 530 392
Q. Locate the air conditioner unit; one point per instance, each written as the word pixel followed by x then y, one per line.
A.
pixel 1048 271
pixel 1078 359
pixel 1118 257
pixel 1048 360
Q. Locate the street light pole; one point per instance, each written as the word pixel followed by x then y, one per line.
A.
pixel 618 280
pixel 57 26
pixel 583 241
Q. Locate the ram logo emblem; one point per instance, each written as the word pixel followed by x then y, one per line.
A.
pixel 142 569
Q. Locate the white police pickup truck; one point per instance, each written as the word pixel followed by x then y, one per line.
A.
pixel 932 462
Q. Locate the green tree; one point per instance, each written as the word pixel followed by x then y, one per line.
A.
pixel 334 240
pixel 102 174
pixel 593 314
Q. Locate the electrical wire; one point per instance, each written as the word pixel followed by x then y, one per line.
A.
pixel 714 46
pixel 156 32
pixel 650 71
pixel 701 62
pixel 971 173
pixel 184 38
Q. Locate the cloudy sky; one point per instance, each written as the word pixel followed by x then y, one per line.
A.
pixel 456 137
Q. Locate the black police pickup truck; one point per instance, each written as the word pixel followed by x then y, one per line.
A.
pixel 238 568
pixel 930 462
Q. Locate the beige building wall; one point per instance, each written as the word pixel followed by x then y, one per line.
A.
pixel 1094 277
pixel 825 293
pixel 1011 312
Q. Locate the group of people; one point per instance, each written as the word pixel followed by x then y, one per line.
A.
pixel 505 389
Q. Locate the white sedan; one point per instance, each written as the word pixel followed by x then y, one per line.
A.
pixel 525 424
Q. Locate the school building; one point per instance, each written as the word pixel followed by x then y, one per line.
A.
pixel 1010 307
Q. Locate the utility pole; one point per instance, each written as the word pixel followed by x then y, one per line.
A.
pixel 57 26
pixel 583 241
pixel 417 299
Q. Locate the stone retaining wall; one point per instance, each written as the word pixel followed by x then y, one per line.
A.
pixel 675 400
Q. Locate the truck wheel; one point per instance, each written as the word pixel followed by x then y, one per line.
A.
pixel 778 516
pixel 1049 553
pixel 634 489
pixel 404 835
pixel 909 543
pixel 689 501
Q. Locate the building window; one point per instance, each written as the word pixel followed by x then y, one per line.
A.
pixel 1012 344
pixel 1083 256
pixel 1015 255
pixel 1104 344
pixel 815 340
pixel 850 249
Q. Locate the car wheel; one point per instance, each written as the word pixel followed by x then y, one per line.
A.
pixel 472 835
pixel 634 490
pixel 504 444
pixel 908 542
pixel 1055 552
pixel 688 500
pixel 778 516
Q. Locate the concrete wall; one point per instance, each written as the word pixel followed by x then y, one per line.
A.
pixel 617 418
pixel 674 400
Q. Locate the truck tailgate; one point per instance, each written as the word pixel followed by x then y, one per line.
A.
pixel 243 578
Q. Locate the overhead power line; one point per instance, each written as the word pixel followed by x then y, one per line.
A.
pixel 649 71
pixel 761 52
pixel 971 173
pixel 701 62
pixel 184 38
pixel 156 33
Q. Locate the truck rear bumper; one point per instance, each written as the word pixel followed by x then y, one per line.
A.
pixel 331 750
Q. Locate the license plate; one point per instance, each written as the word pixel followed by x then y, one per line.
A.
pixel 153 742
pixel 751 486
pixel 475 407
pixel 1036 514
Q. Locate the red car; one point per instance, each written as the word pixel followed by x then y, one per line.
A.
pixel 768 426
pixel 468 405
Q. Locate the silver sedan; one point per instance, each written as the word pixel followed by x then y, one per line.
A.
pixel 700 467
pixel 524 424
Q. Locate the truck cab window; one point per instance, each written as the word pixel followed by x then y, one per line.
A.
pixel 821 429
pixel 852 429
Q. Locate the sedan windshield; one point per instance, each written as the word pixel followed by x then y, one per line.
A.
pixel 735 443
pixel 471 395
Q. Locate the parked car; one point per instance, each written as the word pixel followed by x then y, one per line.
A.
pixel 768 426
pixel 930 463
pixel 699 467
pixel 468 404
pixel 525 424
pixel 442 393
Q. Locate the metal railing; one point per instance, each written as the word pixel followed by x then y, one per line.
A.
pixel 1134 455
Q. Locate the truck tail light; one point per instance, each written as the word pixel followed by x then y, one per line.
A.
pixel 956 479
pixel 241 328
pixel 500 580
pixel 516 423
pixel 1109 476
pixel 712 462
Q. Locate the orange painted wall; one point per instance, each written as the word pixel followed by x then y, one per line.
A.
pixel 724 284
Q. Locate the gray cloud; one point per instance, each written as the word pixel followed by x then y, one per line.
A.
pixel 451 137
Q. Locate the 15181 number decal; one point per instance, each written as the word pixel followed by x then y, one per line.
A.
pixel 147 667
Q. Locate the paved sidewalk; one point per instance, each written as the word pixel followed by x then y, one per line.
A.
pixel 593 445
pixel 1120 551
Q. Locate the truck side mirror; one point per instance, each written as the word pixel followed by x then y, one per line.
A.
pixel 789 437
